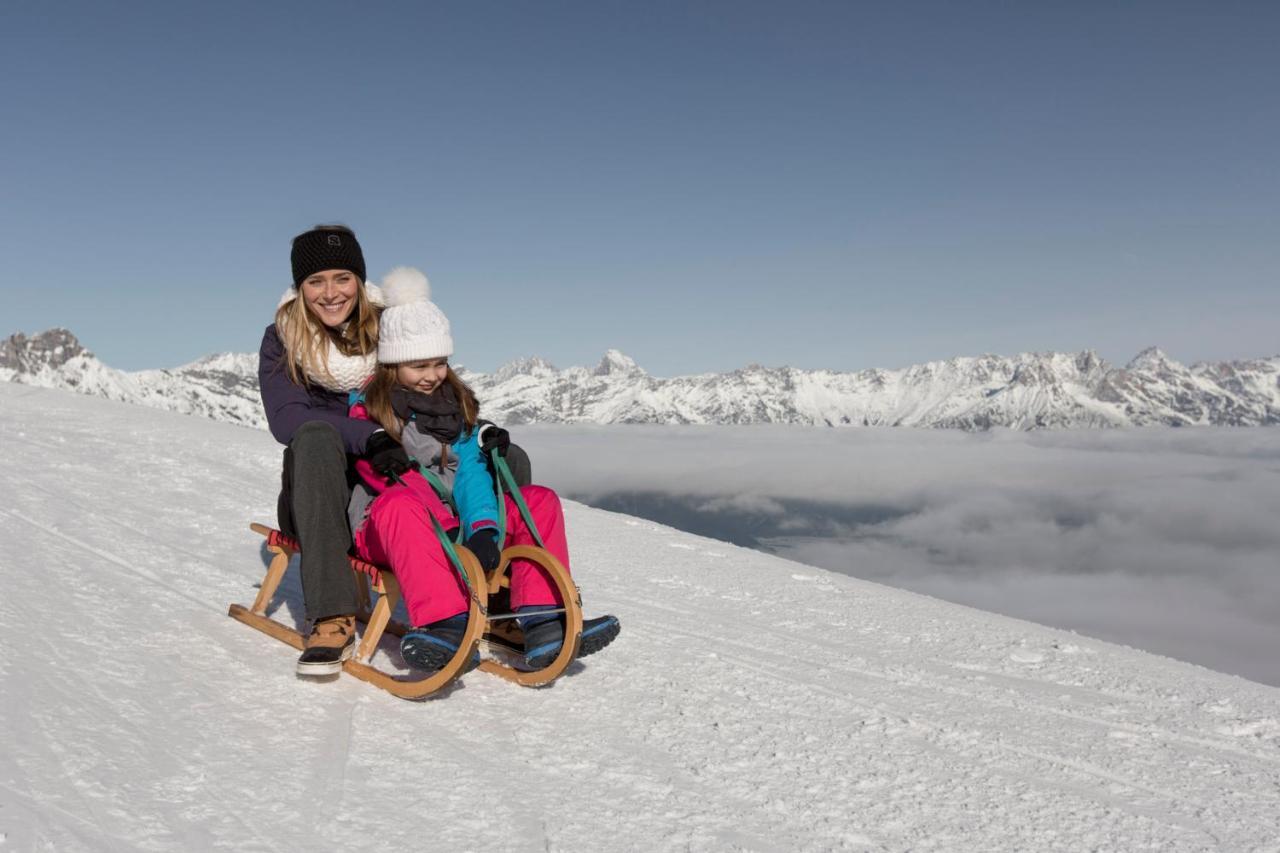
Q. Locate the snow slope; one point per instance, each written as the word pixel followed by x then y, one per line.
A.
pixel 750 703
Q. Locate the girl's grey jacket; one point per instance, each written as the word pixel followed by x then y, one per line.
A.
pixel 464 472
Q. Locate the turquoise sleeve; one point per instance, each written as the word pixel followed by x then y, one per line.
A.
pixel 473 489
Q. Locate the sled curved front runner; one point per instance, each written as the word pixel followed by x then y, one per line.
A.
pixel 377 620
pixel 572 617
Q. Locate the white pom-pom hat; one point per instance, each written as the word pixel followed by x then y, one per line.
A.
pixel 412 327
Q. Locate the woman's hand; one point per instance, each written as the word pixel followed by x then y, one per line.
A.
pixel 386 455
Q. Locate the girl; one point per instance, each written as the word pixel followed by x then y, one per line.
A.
pixel 321 346
pixel 428 413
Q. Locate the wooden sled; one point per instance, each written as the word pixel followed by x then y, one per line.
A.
pixel 495 630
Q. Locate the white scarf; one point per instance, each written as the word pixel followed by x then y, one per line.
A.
pixel 346 372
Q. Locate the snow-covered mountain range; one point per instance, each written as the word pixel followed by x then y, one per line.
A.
pixel 1026 391
pixel 223 387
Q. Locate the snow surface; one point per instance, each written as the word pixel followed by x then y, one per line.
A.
pixel 750 703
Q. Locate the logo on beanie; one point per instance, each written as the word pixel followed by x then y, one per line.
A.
pixel 335 240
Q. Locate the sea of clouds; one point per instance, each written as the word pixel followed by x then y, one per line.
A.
pixel 1163 539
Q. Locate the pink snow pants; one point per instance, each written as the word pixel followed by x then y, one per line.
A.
pixel 398 533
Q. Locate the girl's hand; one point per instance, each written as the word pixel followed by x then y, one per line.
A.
pixel 484 544
pixel 494 438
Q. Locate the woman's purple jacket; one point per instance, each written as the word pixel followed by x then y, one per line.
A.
pixel 289 406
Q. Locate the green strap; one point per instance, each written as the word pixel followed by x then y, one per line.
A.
pixel 502 511
pixel 445 542
pixel 442 491
pixel 505 476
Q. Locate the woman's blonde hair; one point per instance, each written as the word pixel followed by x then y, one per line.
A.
pixel 306 340
pixel 377 399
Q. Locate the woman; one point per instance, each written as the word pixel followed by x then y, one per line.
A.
pixel 322 345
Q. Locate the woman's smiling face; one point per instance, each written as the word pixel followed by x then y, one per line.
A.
pixel 424 376
pixel 331 295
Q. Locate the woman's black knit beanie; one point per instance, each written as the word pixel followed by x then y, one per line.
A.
pixel 326 248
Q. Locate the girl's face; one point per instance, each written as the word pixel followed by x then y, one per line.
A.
pixel 331 295
pixel 425 376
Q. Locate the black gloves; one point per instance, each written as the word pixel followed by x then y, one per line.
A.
pixel 494 439
pixel 386 455
pixel 484 544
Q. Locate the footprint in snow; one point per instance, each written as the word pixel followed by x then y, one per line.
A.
pixel 1026 656
pixel 1265 729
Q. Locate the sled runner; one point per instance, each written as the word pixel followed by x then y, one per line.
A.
pixel 495 630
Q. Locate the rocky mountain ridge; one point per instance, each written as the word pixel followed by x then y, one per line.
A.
pixel 1026 391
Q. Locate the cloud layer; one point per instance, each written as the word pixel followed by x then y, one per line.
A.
pixel 1159 538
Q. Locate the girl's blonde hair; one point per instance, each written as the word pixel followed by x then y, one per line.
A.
pixel 377 399
pixel 306 340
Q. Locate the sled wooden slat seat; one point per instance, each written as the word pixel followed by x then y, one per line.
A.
pixel 277 539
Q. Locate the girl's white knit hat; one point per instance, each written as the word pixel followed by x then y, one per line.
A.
pixel 412 328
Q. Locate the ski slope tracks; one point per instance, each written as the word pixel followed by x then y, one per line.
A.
pixel 749 704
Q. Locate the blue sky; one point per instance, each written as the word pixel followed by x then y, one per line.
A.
pixel 701 185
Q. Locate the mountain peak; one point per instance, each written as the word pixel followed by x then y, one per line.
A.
pixel 1151 358
pixel 1088 361
pixel 531 366
pixel 51 348
pixel 617 363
